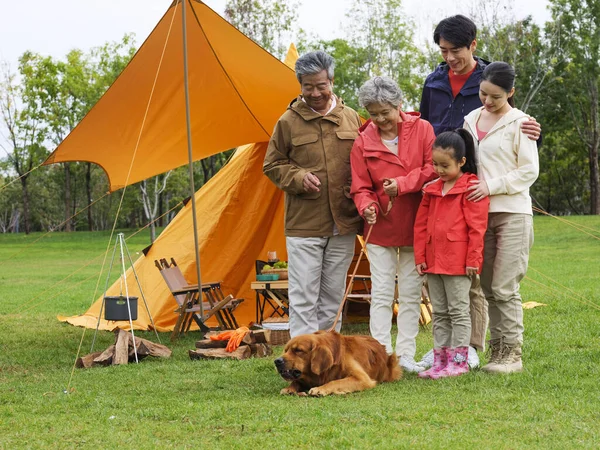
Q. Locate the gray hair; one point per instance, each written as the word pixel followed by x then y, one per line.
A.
pixel 380 90
pixel 314 62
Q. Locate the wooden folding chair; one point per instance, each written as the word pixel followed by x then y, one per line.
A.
pixel 188 301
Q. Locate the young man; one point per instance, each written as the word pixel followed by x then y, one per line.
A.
pixel 449 94
pixel 309 159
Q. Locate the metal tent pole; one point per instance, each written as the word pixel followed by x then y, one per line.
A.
pixel 190 153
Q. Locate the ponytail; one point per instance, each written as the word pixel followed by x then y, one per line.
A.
pixel 471 162
pixel 462 145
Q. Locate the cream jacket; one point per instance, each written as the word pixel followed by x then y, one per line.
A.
pixel 507 160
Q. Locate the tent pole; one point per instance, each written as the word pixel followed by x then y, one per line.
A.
pixel 190 153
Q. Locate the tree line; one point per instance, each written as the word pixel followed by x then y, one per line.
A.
pixel 558 82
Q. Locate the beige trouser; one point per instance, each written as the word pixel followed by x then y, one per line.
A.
pixel 508 238
pixel 449 295
pixel 479 314
pixel 317 271
pixel 386 264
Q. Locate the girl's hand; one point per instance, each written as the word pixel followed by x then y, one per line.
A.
pixel 370 215
pixel 390 187
pixel 472 271
pixel 421 268
pixel 479 190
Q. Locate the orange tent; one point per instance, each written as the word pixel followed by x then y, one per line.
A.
pixel 240 217
pixel 137 129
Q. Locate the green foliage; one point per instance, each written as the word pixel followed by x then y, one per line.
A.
pixel 269 23
pixel 236 404
pixel 577 22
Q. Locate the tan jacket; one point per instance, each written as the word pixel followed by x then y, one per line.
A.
pixel 305 141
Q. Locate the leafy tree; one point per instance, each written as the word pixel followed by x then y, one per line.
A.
pixel 25 130
pixel 577 23
pixel 385 34
pixel 269 23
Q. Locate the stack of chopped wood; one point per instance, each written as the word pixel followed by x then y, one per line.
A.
pixel 122 351
pixel 255 344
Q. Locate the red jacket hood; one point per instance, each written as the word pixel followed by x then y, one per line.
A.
pixel 460 187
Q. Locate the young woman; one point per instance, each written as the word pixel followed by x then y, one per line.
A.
pixel 507 166
pixel 449 232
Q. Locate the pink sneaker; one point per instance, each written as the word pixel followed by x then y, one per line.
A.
pixel 440 360
pixel 457 362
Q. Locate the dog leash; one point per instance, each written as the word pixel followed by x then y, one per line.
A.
pixel 363 250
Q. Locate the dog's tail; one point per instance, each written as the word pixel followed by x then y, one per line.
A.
pixel 394 371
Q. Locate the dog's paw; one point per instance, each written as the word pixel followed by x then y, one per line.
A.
pixel 289 391
pixel 318 392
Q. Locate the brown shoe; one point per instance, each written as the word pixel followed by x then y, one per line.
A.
pixel 495 349
pixel 510 360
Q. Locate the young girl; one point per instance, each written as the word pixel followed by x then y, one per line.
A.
pixel 508 166
pixel 448 244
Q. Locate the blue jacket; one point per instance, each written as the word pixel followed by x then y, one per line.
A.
pixel 438 106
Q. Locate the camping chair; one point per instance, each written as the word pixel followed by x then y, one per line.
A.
pixel 363 294
pixel 188 301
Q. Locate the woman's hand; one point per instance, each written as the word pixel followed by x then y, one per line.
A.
pixel 421 268
pixel 472 271
pixel 370 215
pixel 390 187
pixel 479 190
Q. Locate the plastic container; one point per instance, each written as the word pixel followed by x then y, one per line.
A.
pixel 267 277
pixel 115 308
pixel 283 273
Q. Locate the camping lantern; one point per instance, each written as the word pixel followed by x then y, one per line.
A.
pixel 116 308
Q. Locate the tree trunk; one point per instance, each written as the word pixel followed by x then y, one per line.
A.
pixel 67 196
pixel 88 190
pixel 26 213
pixel 594 180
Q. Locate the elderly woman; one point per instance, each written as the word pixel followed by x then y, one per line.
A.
pixel 391 161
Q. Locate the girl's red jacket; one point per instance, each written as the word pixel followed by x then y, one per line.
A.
pixel 449 229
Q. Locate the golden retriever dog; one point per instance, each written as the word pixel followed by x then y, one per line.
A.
pixel 325 363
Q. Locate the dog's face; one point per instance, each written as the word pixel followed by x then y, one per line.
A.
pixel 309 355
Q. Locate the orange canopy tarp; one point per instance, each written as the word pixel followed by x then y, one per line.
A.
pixel 237 92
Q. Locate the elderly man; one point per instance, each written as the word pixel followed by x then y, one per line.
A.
pixel 309 159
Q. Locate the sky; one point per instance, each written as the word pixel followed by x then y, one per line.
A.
pixel 58 26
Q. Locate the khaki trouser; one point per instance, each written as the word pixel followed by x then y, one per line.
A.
pixel 386 263
pixel 508 238
pixel 479 314
pixel 317 271
pixel 449 295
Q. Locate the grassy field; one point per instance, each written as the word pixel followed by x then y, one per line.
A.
pixel 179 403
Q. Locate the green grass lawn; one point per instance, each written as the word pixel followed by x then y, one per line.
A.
pixel 179 403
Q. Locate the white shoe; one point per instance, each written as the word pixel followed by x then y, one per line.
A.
pixel 427 360
pixel 473 358
pixel 409 365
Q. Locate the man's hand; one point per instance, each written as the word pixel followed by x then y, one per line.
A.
pixel 479 190
pixel 390 187
pixel 532 129
pixel 370 215
pixel 421 268
pixel 311 183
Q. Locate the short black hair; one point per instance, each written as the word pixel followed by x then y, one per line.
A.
pixel 458 30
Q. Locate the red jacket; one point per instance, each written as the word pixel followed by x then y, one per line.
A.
pixel 449 230
pixel 371 162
